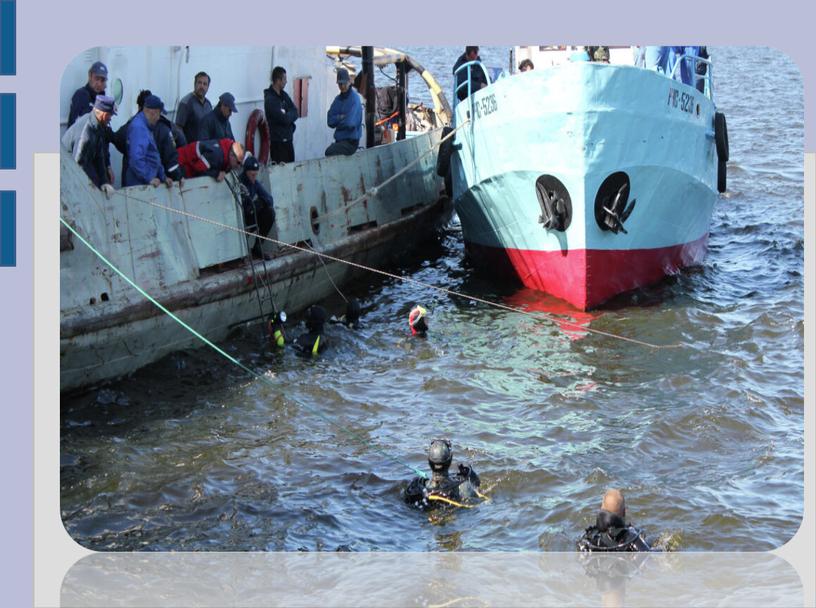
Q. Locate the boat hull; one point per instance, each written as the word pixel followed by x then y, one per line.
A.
pixel 585 129
pixel 193 264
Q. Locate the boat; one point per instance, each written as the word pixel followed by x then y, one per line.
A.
pixel 586 179
pixel 186 248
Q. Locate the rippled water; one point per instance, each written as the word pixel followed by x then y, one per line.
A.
pixel 706 440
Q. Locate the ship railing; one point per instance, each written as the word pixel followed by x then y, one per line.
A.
pixel 470 65
pixel 693 62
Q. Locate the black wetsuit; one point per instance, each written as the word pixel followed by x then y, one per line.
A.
pixel 460 487
pixel 611 533
pixel 312 343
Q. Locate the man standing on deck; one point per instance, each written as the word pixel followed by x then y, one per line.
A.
pixel 216 124
pixel 477 75
pixel 193 107
pixel 84 98
pixel 87 141
pixel 345 116
pixel 281 115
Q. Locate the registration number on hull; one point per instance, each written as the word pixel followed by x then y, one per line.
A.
pixel 682 101
pixel 486 105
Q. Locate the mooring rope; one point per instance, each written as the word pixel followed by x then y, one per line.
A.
pixel 443 290
pixel 361 439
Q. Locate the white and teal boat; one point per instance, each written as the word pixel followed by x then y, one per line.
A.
pixel 588 179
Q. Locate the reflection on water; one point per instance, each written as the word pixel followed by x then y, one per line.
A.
pixel 706 441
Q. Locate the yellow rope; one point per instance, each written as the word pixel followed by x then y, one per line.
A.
pixel 449 501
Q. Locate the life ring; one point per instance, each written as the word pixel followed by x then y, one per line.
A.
pixel 256 122
pixel 721 173
pixel 444 154
pixel 721 136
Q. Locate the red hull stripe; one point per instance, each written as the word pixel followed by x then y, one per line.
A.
pixel 588 277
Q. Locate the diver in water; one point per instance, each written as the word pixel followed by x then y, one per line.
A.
pixel 276 328
pixel 443 488
pixel 352 317
pixel 313 342
pixel 417 321
pixel 611 532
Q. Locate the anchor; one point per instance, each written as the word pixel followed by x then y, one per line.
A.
pixel 554 212
pixel 619 211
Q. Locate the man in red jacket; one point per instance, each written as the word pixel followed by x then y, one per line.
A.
pixel 213 157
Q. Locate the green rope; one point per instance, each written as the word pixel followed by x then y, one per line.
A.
pixel 358 436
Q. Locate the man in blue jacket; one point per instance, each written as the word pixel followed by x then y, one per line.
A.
pixel 345 116
pixel 281 115
pixel 144 160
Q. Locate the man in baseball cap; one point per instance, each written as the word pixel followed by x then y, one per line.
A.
pixel 216 124
pixel 83 100
pixel 345 116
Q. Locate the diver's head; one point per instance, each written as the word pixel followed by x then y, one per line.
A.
pixel 613 502
pixel 440 455
pixel 417 320
pixel 315 318
pixel 353 311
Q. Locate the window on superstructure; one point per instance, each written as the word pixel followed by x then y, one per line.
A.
pixel 301 96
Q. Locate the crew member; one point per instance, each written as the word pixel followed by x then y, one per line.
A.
pixel 478 79
pixel 87 141
pixel 259 210
pixel 193 107
pixel 611 532
pixel 216 124
pixel 214 158
pixel 345 116
pixel 281 114
pixel 459 489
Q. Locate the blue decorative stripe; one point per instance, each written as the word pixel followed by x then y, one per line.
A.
pixel 8 37
pixel 8 131
pixel 8 228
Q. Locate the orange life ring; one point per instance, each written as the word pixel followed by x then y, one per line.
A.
pixel 257 121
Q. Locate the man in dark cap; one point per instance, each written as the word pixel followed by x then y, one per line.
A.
pixel 478 79
pixel 87 140
pixel 165 134
pixel 313 342
pixel 144 161
pixel 281 114
pixel 259 210
pixel 193 107
pixel 345 116
pixel 84 97
pixel 216 124
pixel 611 532
pixel 457 490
